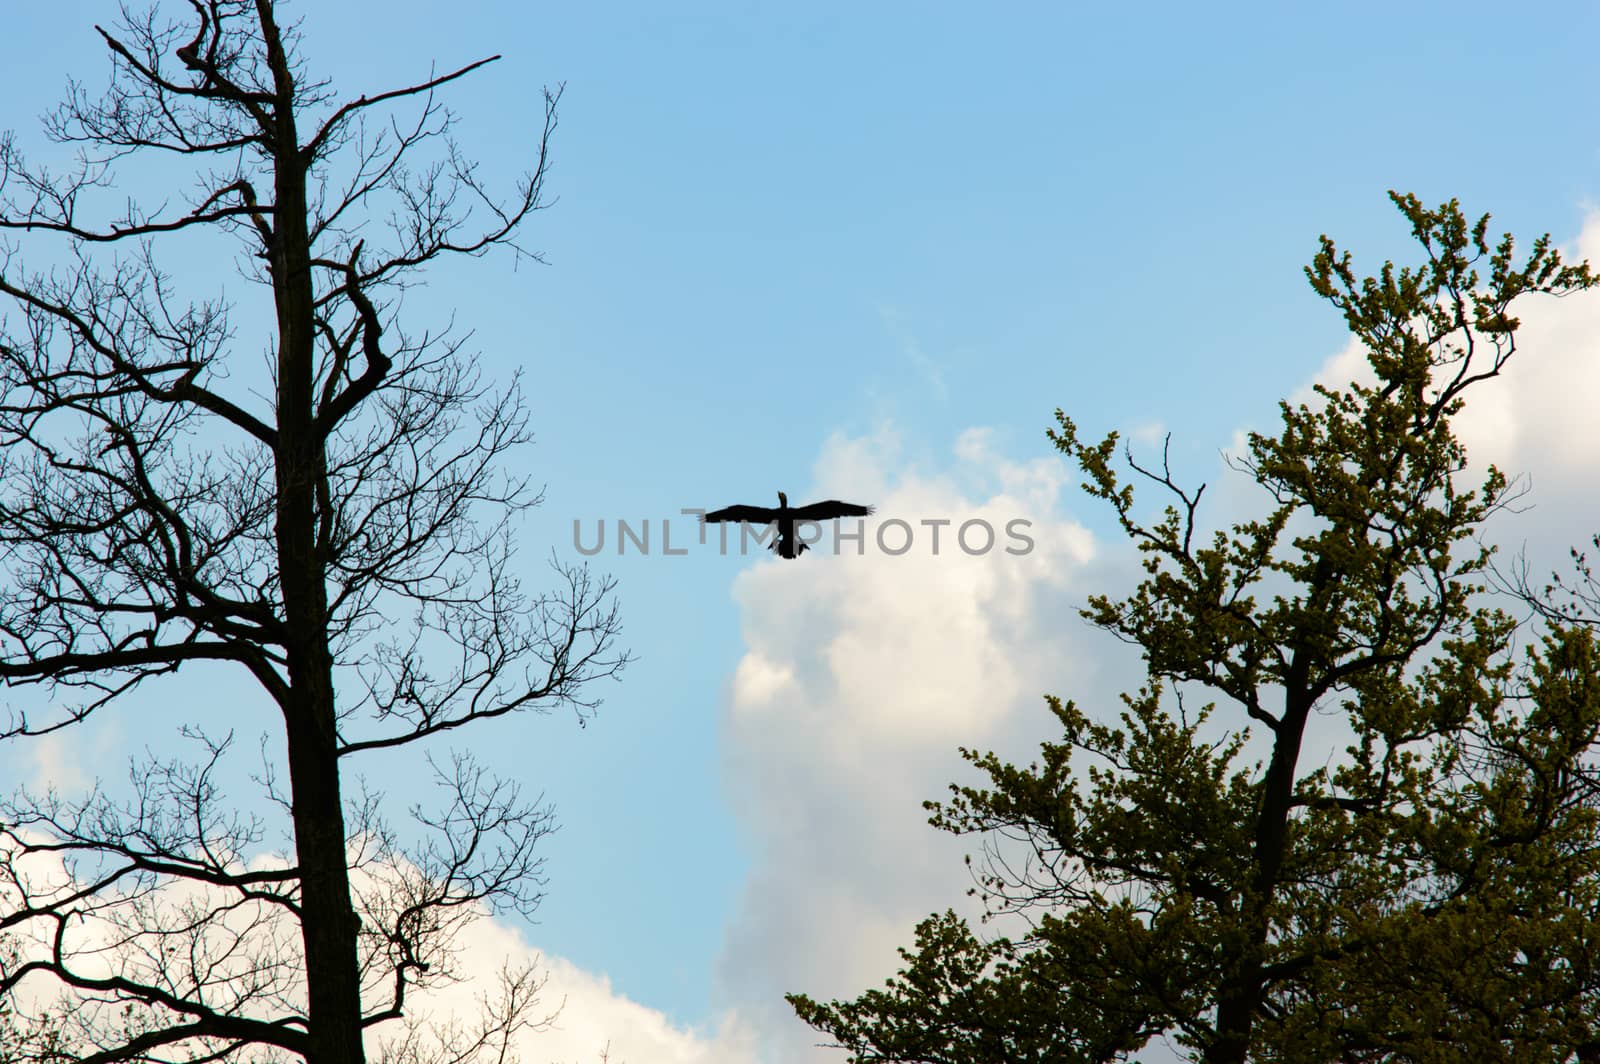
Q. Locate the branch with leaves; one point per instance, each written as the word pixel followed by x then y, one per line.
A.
pixel 1428 895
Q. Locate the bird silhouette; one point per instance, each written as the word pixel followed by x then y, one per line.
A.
pixel 784 516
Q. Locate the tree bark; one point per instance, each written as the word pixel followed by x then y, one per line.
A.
pixel 328 922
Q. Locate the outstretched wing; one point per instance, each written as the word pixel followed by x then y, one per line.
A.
pixel 755 515
pixel 827 511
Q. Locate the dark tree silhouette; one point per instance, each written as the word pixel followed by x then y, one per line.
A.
pixel 788 545
pixel 344 541
pixel 1421 884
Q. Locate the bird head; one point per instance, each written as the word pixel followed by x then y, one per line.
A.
pixel 783 500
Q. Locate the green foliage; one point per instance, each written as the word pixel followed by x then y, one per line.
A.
pixel 1429 896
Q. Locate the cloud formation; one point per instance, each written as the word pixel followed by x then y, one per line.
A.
pixel 252 957
pixel 862 675
pixel 591 1021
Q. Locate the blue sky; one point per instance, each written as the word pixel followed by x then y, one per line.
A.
pixel 776 228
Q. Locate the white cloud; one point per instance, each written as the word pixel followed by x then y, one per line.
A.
pixel 862 675
pixel 591 1019
pixel 65 761
pixel 56 765
pixel 1541 415
pixel 588 1020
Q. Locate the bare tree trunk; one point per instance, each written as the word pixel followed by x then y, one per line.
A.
pixel 329 924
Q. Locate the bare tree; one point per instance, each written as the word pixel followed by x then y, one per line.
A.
pixel 346 543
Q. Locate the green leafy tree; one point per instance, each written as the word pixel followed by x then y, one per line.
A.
pixel 1427 895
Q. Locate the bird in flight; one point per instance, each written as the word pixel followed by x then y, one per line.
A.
pixel 787 545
